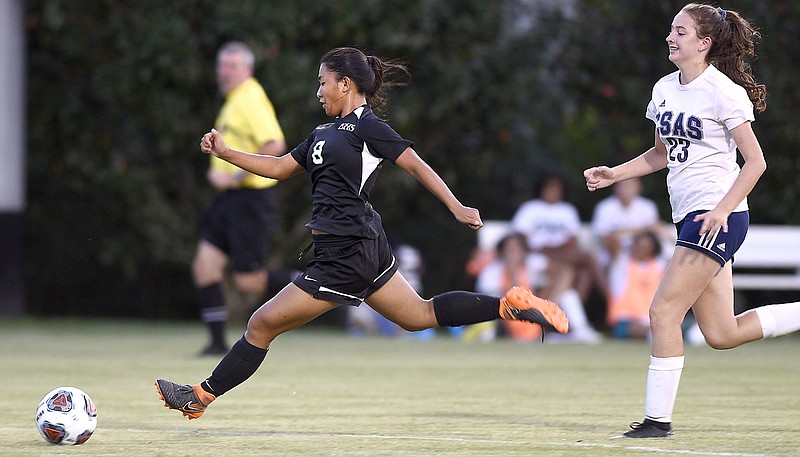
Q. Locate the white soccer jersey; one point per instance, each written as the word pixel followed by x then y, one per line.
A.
pixel 694 122
pixel 546 224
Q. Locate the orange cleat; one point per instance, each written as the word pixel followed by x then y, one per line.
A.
pixel 520 304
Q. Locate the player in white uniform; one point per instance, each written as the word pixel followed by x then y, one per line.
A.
pixel 702 112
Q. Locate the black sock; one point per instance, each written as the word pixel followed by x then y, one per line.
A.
pixel 217 331
pixel 238 364
pixel 213 312
pixel 461 308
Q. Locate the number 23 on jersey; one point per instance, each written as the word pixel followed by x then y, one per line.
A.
pixel 677 149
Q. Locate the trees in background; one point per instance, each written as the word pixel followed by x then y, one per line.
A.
pixel 120 93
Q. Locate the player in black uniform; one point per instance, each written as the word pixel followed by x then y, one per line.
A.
pixel 353 260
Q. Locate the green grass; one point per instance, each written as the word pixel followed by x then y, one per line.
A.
pixel 322 393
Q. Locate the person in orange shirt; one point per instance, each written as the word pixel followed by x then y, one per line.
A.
pixel 634 279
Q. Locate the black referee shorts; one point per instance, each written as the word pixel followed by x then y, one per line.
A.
pixel 347 270
pixel 241 223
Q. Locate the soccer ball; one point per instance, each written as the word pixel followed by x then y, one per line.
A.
pixel 66 415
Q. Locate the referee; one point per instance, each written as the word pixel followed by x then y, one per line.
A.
pixel 238 227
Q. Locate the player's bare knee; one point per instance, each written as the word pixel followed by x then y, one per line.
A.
pixel 719 341
pixel 259 328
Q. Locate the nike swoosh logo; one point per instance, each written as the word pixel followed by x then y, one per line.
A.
pixel 188 407
pixel 307 278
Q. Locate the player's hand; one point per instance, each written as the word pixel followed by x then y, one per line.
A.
pixel 598 177
pixel 469 217
pixel 713 221
pixel 212 143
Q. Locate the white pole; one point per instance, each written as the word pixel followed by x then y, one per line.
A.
pixel 12 155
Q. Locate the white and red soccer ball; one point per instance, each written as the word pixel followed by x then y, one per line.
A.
pixel 66 415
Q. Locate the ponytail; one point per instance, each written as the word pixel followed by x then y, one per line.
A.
pixel 370 74
pixel 733 42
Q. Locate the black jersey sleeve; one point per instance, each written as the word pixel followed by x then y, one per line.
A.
pixel 300 153
pixel 382 140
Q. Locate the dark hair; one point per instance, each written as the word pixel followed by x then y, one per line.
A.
pixel 732 40
pixel 510 237
pixel 547 178
pixel 656 242
pixel 370 74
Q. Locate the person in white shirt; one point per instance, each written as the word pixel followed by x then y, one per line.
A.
pixel 552 227
pixel 618 218
pixel 702 114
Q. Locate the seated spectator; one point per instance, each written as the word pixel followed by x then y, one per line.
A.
pixel 515 266
pixel 619 217
pixel 551 226
pixel 633 281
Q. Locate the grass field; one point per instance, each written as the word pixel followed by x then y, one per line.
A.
pixel 322 393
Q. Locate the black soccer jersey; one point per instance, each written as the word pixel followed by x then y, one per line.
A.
pixel 343 159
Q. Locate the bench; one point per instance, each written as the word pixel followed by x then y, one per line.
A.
pixel 769 259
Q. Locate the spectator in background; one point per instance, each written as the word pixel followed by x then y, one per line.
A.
pixel 237 228
pixel 512 267
pixel 552 226
pixel 620 217
pixel 633 279
pixel 517 266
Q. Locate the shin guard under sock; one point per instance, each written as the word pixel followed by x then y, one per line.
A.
pixel 238 364
pixel 777 320
pixel 663 377
pixel 462 308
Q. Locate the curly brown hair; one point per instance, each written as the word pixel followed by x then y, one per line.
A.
pixel 732 42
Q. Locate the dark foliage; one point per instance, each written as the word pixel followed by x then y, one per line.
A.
pixel 121 91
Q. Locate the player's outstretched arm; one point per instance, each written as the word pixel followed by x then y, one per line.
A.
pixel 650 161
pixel 263 165
pixel 422 172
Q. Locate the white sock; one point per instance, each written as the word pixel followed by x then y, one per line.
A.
pixel 663 377
pixel 572 305
pixel 777 320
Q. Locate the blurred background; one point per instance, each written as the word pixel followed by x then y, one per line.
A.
pixel 103 104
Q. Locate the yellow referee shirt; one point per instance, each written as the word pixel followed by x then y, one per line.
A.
pixel 246 121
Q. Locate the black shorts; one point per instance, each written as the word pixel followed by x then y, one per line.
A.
pixel 720 246
pixel 347 270
pixel 242 223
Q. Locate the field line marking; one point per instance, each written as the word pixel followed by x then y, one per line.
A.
pixel 672 451
pixel 653 449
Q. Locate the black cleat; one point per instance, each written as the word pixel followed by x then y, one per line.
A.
pixel 189 400
pixel 649 429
